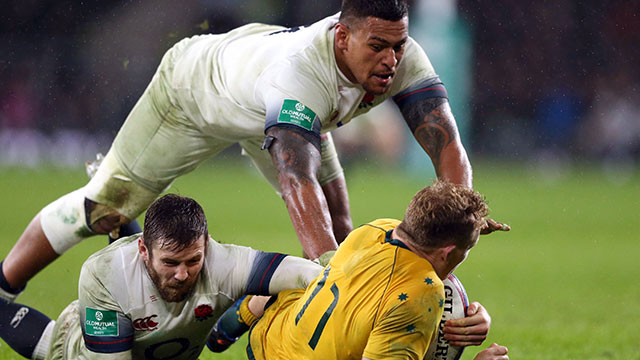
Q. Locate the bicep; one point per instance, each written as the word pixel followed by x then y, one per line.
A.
pixel 291 146
pixel 105 328
pixel 432 124
pixel 274 272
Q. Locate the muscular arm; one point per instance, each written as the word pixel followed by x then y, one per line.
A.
pixel 434 127
pixel 297 160
pixel 338 201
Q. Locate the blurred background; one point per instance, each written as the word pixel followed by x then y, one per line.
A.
pixel 549 83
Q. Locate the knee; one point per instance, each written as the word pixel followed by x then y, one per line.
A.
pixel 102 219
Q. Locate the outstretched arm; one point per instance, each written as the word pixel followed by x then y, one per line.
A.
pixel 296 156
pixel 338 201
pixel 433 126
pixel 428 114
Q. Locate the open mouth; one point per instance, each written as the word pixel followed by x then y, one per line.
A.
pixel 383 78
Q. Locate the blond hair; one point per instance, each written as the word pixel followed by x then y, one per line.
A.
pixel 443 214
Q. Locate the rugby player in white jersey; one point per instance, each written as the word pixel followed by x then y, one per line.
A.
pixel 155 295
pixel 275 91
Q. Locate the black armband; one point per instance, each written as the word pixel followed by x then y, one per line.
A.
pixel 264 265
pixel 431 88
pixel 310 136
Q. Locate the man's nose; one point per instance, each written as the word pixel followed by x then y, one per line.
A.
pixel 390 59
pixel 182 273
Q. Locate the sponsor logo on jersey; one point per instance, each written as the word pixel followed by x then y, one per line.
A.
pixel 294 112
pixel 101 322
pixel 203 312
pixel 145 323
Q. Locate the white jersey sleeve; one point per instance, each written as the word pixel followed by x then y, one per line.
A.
pixel 414 68
pixel 105 327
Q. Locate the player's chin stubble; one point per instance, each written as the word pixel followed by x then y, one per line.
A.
pixel 168 293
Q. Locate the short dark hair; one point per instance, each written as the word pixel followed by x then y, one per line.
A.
pixel 175 221
pixel 354 10
pixel 443 214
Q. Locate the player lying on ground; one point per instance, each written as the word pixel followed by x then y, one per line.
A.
pixel 292 85
pixel 155 296
pixel 381 295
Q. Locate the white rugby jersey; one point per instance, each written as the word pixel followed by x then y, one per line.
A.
pixel 229 83
pixel 120 308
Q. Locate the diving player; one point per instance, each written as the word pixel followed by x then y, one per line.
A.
pixel 155 296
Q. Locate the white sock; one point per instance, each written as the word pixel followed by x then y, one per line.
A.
pixel 42 348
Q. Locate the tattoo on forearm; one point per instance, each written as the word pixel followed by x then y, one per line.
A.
pixel 432 124
pixel 293 154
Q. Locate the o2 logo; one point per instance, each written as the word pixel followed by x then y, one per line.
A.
pixel 171 349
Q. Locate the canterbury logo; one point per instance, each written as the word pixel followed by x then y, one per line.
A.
pixel 145 324
pixel 17 318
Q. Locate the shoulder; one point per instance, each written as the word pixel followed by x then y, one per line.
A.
pixel 415 67
pixel 377 227
pixel 307 72
pixel 101 261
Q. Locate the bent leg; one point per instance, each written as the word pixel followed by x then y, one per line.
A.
pixel 52 231
pixel 108 201
pixel 16 270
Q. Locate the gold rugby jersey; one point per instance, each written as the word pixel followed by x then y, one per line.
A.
pixel 376 299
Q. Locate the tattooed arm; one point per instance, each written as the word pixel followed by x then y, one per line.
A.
pixel 434 127
pixel 296 156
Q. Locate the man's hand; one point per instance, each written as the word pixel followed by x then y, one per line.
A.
pixel 493 352
pixel 471 330
pixel 492 225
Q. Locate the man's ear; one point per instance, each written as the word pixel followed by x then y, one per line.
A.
pixel 342 34
pixel 143 250
pixel 445 251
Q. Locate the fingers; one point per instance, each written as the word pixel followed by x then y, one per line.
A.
pixel 466 335
pixel 496 349
pixel 492 225
pixel 493 352
pixel 476 314
pixel 470 330
pixel 465 340
pixel 472 309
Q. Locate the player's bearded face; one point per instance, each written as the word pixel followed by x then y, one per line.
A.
pixel 174 273
pixel 373 51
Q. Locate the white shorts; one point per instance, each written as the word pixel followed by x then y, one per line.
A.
pixel 158 143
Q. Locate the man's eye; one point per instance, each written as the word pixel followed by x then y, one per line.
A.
pixel 375 47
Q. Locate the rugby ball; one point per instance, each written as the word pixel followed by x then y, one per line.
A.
pixel 455 307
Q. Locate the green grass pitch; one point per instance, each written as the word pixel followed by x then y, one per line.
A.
pixel 563 284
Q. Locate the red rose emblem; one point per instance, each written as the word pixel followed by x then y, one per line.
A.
pixel 368 98
pixel 203 312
